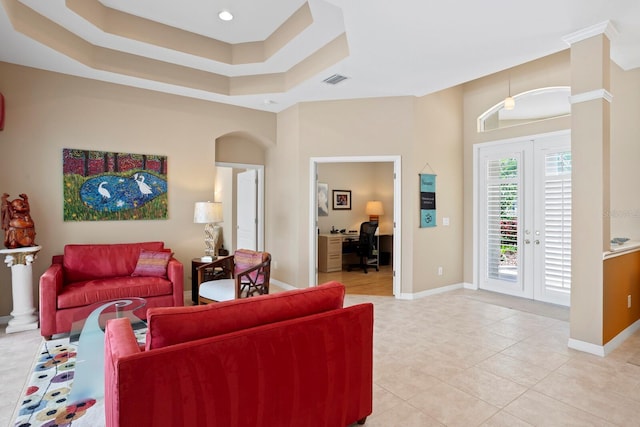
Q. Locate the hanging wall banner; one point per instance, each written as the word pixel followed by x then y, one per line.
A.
pixel 427 200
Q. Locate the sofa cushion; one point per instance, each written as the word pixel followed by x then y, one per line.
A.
pixel 88 262
pixel 173 325
pixel 83 293
pixel 152 263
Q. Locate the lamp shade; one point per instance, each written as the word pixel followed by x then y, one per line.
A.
pixel 374 208
pixel 509 103
pixel 207 212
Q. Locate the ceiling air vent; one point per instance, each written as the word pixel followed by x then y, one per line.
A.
pixel 335 79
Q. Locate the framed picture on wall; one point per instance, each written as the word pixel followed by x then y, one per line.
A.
pixel 113 186
pixel 323 199
pixel 341 200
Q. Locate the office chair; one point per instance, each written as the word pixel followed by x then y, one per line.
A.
pixel 366 246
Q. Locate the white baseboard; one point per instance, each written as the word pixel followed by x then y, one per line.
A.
pixel 285 286
pixel 603 350
pixel 470 286
pixel 586 347
pixel 428 292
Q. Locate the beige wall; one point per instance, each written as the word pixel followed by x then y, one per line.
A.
pixel 285 196
pixel 438 142
pixel 419 130
pixel 47 112
pixel 555 70
pixel 625 153
pixel 366 181
pixel 240 148
pixel 479 96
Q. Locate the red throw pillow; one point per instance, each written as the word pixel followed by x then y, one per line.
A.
pixel 152 263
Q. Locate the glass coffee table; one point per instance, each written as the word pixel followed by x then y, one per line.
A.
pixel 88 333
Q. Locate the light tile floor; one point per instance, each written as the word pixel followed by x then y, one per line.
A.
pixel 461 358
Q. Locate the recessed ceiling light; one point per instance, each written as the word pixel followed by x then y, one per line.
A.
pixel 225 15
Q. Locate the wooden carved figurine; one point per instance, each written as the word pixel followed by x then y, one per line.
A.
pixel 19 229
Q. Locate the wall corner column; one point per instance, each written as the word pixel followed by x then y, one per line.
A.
pixel 590 138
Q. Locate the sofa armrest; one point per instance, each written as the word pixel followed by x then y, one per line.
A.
pixel 51 283
pixel 119 342
pixel 175 273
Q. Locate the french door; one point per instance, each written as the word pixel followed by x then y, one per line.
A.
pixel 524 207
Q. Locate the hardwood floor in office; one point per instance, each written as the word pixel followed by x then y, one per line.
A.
pixel 356 282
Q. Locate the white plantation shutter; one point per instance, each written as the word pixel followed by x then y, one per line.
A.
pixel 502 217
pixel 557 221
pixel 524 218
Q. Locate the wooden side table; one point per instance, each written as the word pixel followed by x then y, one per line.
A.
pixel 195 263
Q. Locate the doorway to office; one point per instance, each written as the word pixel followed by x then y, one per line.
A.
pixel 395 227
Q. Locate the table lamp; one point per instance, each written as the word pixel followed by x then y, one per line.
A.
pixel 374 210
pixel 208 213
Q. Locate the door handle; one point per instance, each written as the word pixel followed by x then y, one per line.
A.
pixel 527 241
pixel 537 242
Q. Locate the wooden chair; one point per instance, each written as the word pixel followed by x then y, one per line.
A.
pixel 244 274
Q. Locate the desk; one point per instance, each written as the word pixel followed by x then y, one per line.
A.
pixel 329 252
pixel 331 248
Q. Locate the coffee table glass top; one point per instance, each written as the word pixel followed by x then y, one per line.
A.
pixel 89 334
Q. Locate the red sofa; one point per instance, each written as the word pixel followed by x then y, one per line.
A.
pixel 295 358
pixel 88 274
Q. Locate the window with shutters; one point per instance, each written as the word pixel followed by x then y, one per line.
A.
pixel 557 221
pixel 502 218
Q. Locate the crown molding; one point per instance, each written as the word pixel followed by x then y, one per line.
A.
pixel 122 24
pixel 590 96
pixel 605 28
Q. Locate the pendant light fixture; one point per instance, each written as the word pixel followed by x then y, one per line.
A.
pixel 509 102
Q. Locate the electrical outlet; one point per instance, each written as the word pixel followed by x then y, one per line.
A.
pixel 275 265
pixel 439 271
pixel 445 221
pixel 628 301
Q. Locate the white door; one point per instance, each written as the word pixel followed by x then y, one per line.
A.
pixel 247 210
pixel 552 235
pixel 525 219
pixel 502 183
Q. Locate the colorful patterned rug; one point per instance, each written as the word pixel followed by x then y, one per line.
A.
pixel 46 396
pixel 45 401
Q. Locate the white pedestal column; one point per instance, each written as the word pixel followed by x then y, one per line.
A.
pixel 20 260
